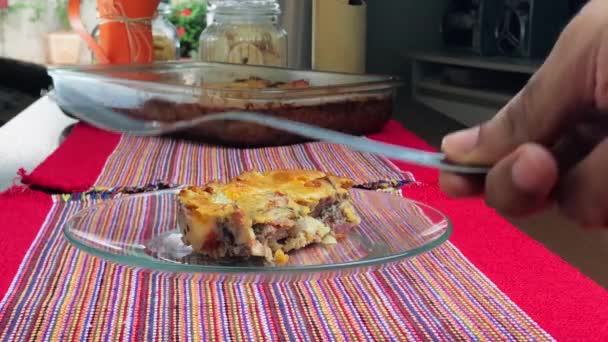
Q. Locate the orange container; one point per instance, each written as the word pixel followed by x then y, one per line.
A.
pixel 125 30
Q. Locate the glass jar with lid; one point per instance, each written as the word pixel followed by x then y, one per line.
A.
pixel 166 39
pixel 244 32
pixel 164 33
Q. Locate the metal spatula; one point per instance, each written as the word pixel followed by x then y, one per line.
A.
pixel 117 122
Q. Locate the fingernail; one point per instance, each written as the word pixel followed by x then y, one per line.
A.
pixel 523 175
pixel 460 142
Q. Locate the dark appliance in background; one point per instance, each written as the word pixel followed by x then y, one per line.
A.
pixel 514 28
pixel 468 26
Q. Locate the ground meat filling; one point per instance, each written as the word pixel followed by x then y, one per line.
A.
pixel 330 211
pixel 223 244
pixel 266 233
pixel 282 235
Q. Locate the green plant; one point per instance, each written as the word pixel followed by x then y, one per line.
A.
pixel 39 7
pixel 190 20
pixel 61 10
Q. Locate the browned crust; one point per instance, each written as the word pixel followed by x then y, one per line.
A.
pixel 357 117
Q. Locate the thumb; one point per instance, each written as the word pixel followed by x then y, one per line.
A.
pixel 561 88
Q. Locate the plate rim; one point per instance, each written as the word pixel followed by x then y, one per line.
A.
pixel 160 265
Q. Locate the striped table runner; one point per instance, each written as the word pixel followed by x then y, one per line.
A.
pixel 138 161
pixel 62 294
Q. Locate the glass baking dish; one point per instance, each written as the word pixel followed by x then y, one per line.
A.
pixel 179 91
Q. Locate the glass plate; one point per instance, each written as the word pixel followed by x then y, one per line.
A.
pixel 142 231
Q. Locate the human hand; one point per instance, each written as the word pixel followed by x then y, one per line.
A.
pixel 548 144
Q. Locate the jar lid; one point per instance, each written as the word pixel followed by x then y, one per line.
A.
pixel 249 7
pixel 164 8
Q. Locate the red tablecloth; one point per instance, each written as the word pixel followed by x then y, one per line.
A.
pixel 565 303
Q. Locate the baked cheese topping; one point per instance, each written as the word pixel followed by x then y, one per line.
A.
pixel 259 214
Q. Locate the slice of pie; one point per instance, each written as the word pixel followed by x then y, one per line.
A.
pixel 266 215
